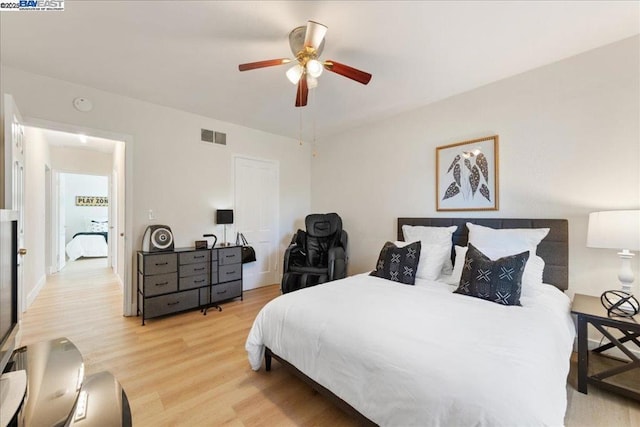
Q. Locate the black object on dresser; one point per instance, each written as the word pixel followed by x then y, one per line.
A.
pixel 185 278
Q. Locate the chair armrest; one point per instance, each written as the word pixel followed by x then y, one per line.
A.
pixel 295 253
pixel 337 263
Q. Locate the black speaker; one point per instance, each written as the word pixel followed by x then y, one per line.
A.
pixel 157 238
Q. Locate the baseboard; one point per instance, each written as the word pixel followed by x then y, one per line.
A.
pixel 35 291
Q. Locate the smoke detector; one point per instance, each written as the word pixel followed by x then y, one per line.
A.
pixel 82 104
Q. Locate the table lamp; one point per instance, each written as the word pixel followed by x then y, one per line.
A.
pixel 224 216
pixel 617 230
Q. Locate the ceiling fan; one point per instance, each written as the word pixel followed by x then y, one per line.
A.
pixel 307 43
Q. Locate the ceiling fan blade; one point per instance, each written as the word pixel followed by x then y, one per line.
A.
pixel 314 35
pixel 263 64
pixel 348 72
pixel 302 92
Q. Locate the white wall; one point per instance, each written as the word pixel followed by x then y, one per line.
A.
pixel 78 160
pixel 181 178
pixel 77 218
pixel 569 145
pixel 36 158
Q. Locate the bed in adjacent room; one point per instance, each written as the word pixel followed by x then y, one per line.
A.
pixel 437 351
pixel 92 243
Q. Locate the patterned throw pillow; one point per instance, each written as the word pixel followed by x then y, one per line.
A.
pixel 398 264
pixel 497 281
pixel 98 226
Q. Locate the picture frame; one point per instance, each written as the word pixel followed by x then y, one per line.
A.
pixel 467 175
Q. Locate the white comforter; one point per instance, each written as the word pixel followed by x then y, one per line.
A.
pixel 87 246
pixel 421 355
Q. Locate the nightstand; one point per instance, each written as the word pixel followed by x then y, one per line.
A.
pixel 589 309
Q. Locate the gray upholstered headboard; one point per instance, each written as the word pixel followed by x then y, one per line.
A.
pixel 554 249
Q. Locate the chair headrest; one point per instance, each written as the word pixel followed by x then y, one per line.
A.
pixel 323 225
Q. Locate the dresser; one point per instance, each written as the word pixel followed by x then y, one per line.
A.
pixel 185 278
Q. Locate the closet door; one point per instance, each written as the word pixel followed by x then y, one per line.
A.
pixel 256 216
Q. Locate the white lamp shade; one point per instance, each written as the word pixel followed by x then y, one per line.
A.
pixel 614 230
pixel 294 73
pixel 312 82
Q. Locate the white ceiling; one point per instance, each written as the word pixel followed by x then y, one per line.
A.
pixel 185 54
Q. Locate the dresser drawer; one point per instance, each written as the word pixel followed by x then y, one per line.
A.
pixel 159 264
pixel 194 269
pixel 194 257
pixel 226 291
pixel 227 273
pixel 214 272
pixel 230 255
pixel 166 304
pixel 160 284
pixel 194 281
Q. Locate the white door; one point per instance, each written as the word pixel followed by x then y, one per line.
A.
pixel 61 226
pixel 113 221
pixel 14 181
pixel 256 216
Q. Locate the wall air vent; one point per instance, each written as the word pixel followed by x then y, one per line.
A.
pixel 221 138
pixel 206 135
pixel 214 137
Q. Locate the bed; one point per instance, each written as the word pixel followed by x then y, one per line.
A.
pixel 392 354
pixel 89 244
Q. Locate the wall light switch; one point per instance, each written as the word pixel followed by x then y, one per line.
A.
pixel 152 214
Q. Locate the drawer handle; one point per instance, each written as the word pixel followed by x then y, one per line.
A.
pixel 200 256
pixel 198 281
pixel 198 269
pixel 231 256
pixel 162 284
pixel 230 272
pixel 222 292
pixel 161 263
pixel 173 303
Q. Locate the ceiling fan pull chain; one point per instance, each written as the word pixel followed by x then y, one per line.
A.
pixel 300 109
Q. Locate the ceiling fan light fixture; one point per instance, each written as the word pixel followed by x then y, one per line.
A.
pixel 314 68
pixel 314 34
pixel 312 82
pixel 294 73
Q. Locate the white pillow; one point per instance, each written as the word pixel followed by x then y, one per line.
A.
pixel 456 275
pixel 516 240
pixel 431 259
pixel 98 226
pixel 432 236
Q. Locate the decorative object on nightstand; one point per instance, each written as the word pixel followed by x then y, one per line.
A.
pixel 617 230
pixel 224 217
pixel 620 303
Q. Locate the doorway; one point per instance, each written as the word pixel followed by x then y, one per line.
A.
pixel 69 163
pixel 86 218
pixel 256 191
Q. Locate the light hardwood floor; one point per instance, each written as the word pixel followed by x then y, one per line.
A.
pixel 192 370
